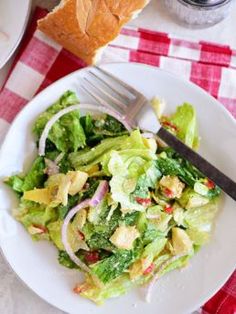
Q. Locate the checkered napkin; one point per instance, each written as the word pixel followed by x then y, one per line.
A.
pixel 41 61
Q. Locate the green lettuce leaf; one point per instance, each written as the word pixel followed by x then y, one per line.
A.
pixel 151 233
pixel 185 120
pixel 202 218
pixel 37 215
pixel 100 241
pixel 64 260
pixel 197 236
pixel 33 179
pixel 153 249
pixel 54 229
pixel 122 284
pixel 76 243
pixel 127 145
pixel 33 214
pixel 112 267
pixel 147 180
pixel 133 172
pixel 178 263
pixel 97 235
pixel 88 157
pixel 16 183
pixel 162 222
pixel 67 134
pixel 99 128
pixel 173 167
pixel 113 289
pixel 176 166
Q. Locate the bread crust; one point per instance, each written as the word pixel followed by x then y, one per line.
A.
pixel 84 26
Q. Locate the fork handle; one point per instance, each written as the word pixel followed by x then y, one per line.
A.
pixel 220 179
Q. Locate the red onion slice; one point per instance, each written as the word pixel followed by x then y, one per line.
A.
pixel 100 193
pixel 51 167
pixel 58 115
pixel 65 242
pixel 96 199
pixel 157 276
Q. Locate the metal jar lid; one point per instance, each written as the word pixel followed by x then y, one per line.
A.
pixel 205 3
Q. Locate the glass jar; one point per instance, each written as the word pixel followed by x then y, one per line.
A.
pixel 199 13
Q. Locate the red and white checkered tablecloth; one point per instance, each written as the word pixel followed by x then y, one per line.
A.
pixel 41 61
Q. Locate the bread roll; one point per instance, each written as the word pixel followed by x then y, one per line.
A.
pixel 85 26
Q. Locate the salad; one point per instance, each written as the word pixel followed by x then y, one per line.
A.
pixel 118 205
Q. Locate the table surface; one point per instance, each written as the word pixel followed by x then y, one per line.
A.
pixel 15 297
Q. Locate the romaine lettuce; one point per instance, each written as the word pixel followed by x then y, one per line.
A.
pixel 113 266
pixel 88 157
pixel 113 289
pixel 153 249
pixel 31 214
pixel 33 179
pixel 16 183
pixel 64 260
pixel 198 237
pixel 66 134
pixel 186 123
pixel 201 218
pixel 133 172
pixel 99 128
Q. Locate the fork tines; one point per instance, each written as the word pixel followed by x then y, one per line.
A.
pixel 108 90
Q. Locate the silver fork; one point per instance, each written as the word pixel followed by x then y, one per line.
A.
pixel 109 91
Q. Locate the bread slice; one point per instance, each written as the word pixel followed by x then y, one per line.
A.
pixel 85 26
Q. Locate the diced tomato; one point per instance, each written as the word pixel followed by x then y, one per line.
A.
pixel 168 192
pixel 41 228
pixel 92 257
pixel 171 125
pixel 143 201
pixel 210 184
pixel 77 289
pixel 149 269
pixel 169 209
pixel 81 235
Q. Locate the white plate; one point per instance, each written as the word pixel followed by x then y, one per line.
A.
pixel 13 20
pixel 180 291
